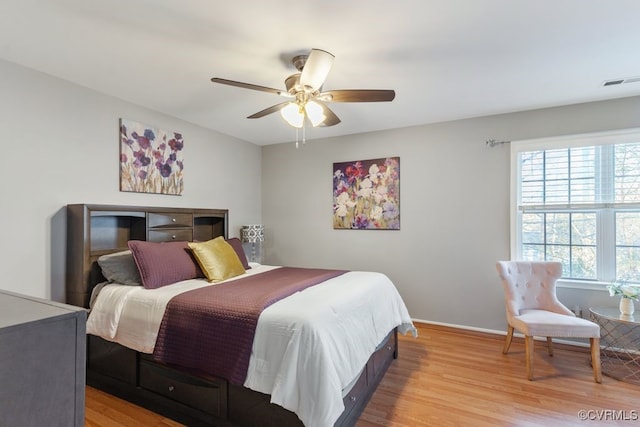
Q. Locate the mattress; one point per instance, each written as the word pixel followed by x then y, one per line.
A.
pixel 307 349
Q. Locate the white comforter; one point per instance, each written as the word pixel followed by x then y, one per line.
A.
pixel 307 348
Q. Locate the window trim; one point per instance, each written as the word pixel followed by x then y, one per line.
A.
pixel 590 285
pixel 619 136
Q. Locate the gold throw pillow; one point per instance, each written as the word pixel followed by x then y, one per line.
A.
pixel 217 259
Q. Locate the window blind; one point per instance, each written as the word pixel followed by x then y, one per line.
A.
pixel 595 177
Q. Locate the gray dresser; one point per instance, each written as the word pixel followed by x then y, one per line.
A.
pixel 42 362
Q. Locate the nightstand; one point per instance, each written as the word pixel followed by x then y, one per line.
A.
pixel 42 362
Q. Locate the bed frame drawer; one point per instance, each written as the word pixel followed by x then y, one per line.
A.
pixel 355 395
pixel 207 395
pixel 157 220
pixel 170 235
pixel 382 357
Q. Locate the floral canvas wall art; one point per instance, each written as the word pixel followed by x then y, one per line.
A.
pixel 151 160
pixel 366 194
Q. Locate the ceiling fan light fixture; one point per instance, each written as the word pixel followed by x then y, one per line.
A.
pixel 314 112
pixel 316 68
pixel 306 96
pixel 291 114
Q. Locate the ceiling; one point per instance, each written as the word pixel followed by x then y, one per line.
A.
pixel 446 59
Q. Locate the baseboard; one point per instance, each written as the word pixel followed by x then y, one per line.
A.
pixel 495 334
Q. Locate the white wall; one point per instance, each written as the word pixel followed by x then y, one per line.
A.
pixel 60 145
pixel 454 208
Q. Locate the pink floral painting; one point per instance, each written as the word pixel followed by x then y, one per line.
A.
pixel 151 159
pixel 366 194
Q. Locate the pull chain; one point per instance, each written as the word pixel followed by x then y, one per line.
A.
pixel 304 136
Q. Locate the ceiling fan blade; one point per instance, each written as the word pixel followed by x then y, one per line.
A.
pixel 251 86
pixel 316 69
pixel 269 110
pixel 330 117
pixel 357 95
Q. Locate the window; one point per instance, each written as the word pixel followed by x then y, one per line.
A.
pixel 577 200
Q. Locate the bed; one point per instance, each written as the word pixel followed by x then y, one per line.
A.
pixel 315 352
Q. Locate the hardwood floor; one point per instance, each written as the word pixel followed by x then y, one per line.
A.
pixel 447 377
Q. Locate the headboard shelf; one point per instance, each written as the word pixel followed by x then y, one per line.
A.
pixel 115 230
pixel 98 253
pixel 95 230
pixel 97 213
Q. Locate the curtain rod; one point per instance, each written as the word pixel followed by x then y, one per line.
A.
pixel 492 142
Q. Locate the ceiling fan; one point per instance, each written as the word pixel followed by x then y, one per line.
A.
pixel 306 99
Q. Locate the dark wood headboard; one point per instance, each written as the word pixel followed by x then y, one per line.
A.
pixel 96 230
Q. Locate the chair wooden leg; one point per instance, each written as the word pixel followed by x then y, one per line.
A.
pixel 528 349
pixel 507 342
pixel 595 359
pixel 550 346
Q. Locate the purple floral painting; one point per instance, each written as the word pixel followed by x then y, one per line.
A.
pixel 366 194
pixel 150 159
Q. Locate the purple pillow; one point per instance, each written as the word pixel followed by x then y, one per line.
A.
pixel 236 244
pixel 164 263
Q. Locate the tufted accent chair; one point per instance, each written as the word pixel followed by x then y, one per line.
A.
pixel 534 310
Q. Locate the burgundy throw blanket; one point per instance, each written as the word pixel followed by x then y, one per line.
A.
pixel 211 329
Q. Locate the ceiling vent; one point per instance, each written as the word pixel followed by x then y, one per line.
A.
pixel 621 81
